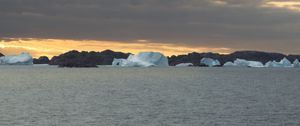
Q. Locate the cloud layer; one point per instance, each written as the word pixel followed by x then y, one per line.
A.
pixel 272 25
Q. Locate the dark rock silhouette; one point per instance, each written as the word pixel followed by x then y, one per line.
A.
pixel 1 54
pixel 92 59
pixel 293 57
pixel 192 58
pixel 255 56
pixel 247 55
pixel 86 59
pixel 41 60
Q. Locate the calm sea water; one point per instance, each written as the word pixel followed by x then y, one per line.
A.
pixel 106 96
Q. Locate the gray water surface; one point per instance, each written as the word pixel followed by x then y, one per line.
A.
pixel 106 96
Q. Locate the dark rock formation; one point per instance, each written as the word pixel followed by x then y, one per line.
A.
pixel 292 58
pixel 1 54
pixel 41 60
pixel 255 56
pixel 192 58
pixel 92 59
pixel 86 59
pixel 247 55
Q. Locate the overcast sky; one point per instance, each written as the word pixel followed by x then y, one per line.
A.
pixel 271 25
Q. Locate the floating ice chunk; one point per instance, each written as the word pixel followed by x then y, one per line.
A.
pixel 149 59
pixel 22 59
pixel 270 64
pixel 246 63
pixel 243 63
pixel 255 64
pixel 283 63
pixel 296 63
pixel 273 64
pixel 210 62
pixel 229 64
pixel 123 62
pixel 143 59
pixel 184 65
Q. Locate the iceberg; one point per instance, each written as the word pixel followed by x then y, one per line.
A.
pixel 271 64
pixel 21 59
pixel 229 64
pixel 283 63
pixel 122 62
pixel 184 65
pixel 255 64
pixel 143 59
pixel 243 63
pixel 296 63
pixel 246 63
pixel 210 62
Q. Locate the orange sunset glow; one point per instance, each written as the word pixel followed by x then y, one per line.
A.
pixel 53 47
pixel 291 5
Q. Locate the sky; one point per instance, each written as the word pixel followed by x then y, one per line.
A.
pixel 51 27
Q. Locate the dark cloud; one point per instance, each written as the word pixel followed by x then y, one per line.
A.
pixel 218 23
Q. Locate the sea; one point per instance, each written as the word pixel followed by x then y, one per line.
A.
pixel 170 96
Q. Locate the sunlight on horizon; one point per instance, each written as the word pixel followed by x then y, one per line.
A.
pixel 290 5
pixel 53 47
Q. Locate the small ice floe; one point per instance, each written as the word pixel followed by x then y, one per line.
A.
pixel 184 65
pixel 285 63
pixel 243 63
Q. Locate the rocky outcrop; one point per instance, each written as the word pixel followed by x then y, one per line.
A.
pixel 106 58
pixel 86 59
pixel 41 60
pixel 193 58
pixel 262 57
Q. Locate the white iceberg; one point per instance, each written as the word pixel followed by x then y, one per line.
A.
pixel 22 59
pixel 296 63
pixel 271 64
pixel 229 64
pixel 184 65
pixel 122 62
pixel 255 64
pixel 243 63
pixel 283 63
pixel 210 62
pixel 143 59
pixel 246 63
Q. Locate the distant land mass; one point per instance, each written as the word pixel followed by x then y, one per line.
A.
pixel 92 59
pixel 263 57
pixel 86 59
